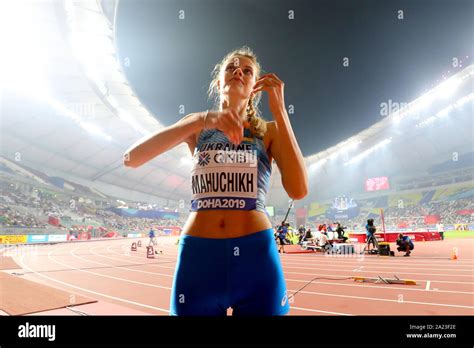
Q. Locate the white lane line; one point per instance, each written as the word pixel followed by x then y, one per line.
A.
pixel 330 259
pixel 380 287
pixel 336 269
pixel 113 266
pixel 336 295
pixel 148 264
pixel 385 287
pixel 351 275
pixel 334 262
pixel 90 291
pixel 133 254
pixel 427 286
pixel 294 280
pixel 136 263
pixel 383 299
pixel 350 262
pixel 127 301
pixel 318 311
pixel 332 275
pixel 103 275
pixel 340 284
pixel 127 254
pixel 377 260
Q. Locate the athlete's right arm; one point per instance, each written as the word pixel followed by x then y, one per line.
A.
pixel 228 121
pixel 154 145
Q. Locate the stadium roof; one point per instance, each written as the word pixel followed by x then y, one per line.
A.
pixel 67 107
pixel 68 110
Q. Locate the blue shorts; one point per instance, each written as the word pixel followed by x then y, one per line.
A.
pixel 244 273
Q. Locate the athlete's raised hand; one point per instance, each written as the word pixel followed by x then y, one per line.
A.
pixel 275 89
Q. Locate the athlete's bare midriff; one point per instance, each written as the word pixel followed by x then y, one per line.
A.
pixel 225 223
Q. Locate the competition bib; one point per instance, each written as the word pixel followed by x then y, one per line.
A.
pixel 224 176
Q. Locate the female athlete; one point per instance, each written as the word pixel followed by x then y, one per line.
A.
pixel 227 255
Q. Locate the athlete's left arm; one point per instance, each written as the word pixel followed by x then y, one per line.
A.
pixel 283 145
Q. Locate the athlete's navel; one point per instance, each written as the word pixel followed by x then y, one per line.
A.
pixel 222 223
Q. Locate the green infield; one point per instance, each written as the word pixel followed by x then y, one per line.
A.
pixel 458 234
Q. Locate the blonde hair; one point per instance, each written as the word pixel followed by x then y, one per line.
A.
pixel 258 125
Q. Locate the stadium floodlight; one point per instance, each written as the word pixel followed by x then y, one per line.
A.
pixel 447 88
pixel 464 100
pixel 112 101
pixel 422 102
pixel 96 78
pixel 367 152
pixel 336 154
pixel 318 163
pixel 445 112
pixel 24 55
pixel 344 148
pixel 61 109
pixel 92 41
pixel 120 78
pixel 111 61
pixel 127 118
pixel 354 144
pixel 426 122
pixel 93 129
pixel 443 90
pixel 101 86
pixel 321 161
pixel 401 113
pixel 91 48
pixel 22 71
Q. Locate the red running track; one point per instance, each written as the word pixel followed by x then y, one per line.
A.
pixel 126 282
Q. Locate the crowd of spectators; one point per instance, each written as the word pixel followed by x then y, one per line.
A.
pixel 459 176
pixel 31 208
pixel 413 216
pixel 446 210
pixel 110 220
pixel 13 218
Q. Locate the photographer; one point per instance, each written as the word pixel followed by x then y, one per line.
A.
pixel 340 232
pixel 322 241
pixel 440 229
pixel 281 235
pixel 308 235
pixel 405 244
pixel 370 233
pixel 301 233
pixel 151 235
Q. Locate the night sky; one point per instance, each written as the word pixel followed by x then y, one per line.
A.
pixel 168 60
